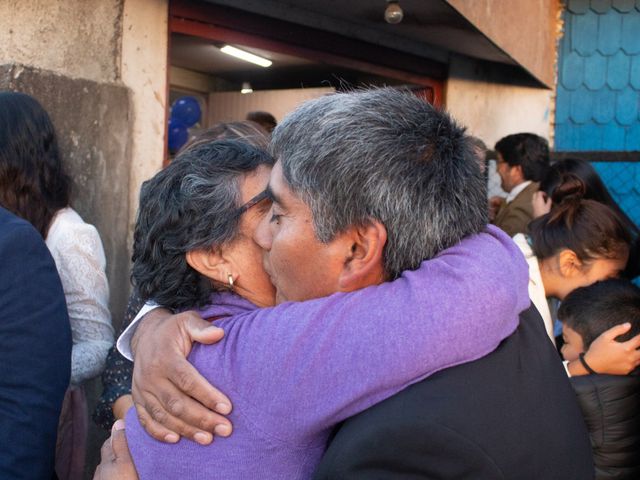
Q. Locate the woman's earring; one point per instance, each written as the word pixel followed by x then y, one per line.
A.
pixel 230 281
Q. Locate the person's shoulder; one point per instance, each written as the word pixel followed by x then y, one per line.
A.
pixel 523 199
pixel 68 220
pixel 69 232
pixel 14 229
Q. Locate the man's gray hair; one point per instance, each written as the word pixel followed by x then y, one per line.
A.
pixel 385 155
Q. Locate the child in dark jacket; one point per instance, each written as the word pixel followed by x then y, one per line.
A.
pixel 609 403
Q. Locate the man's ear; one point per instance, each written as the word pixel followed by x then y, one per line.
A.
pixel 364 264
pixel 209 263
pixel 569 264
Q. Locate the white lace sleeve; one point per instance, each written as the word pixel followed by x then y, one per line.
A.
pixel 79 256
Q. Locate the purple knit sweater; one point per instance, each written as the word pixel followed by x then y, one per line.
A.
pixel 296 370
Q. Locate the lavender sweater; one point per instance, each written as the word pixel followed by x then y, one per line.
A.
pixel 296 370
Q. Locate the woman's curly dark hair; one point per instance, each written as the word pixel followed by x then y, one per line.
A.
pixel 191 204
pixel 33 183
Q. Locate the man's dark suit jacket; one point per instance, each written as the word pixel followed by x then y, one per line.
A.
pixel 35 351
pixel 510 415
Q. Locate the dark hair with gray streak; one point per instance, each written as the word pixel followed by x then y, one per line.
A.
pixel 385 155
pixel 191 204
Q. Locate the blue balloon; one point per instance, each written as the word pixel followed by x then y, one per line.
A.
pixel 186 110
pixel 178 135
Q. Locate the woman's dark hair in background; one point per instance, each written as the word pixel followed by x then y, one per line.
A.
pixel 264 119
pixel 247 131
pixel 191 204
pixel 595 188
pixel 592 310
pixel 33 183
pixel 590 229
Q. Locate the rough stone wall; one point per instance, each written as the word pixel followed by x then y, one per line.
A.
pixel 145 41
pixel 78 38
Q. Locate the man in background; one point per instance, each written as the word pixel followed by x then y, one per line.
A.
pixel 523 159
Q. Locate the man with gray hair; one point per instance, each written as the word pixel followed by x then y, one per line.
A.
pixel 367 186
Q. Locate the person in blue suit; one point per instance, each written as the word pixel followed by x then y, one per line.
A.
pixel 35 351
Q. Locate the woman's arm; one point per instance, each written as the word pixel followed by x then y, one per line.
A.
pixel 81 263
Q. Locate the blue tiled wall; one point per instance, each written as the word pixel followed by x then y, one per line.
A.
pixel 598 91
pixel 598 102
pixel 623 181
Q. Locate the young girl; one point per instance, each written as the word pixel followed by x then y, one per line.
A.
pixel 576 244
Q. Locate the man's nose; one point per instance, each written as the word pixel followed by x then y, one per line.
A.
pixel 262 234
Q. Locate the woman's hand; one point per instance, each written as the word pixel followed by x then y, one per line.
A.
pixel 171 398
pixel 541 204
pixel 606 355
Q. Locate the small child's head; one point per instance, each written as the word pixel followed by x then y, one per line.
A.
pixel 589 311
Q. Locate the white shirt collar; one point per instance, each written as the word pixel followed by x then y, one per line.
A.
pixel 515 191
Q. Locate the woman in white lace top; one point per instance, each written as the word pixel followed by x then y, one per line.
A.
pixel 33 185
pixel 79 256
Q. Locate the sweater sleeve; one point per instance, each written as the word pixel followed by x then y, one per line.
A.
pixel 81 263
pixel 307 366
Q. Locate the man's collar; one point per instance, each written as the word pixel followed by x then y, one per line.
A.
pixel 515 191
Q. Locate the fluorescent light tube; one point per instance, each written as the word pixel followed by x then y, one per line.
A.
pixel 246 56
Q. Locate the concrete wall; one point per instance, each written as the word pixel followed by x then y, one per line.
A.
pixel 481 97
pixel 76 38
pixel 144 56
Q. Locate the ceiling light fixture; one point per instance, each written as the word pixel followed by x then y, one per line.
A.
pixel 246 56
pixel 246 88
pixel 393 14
